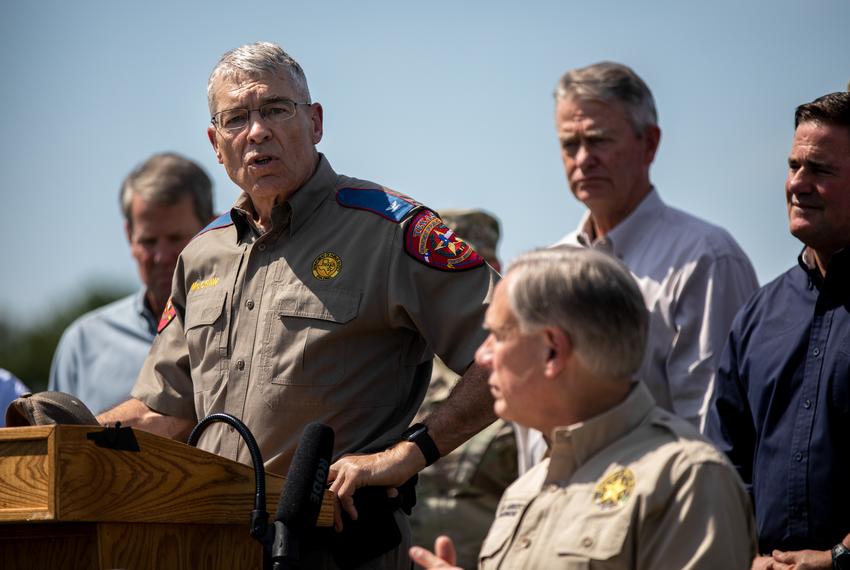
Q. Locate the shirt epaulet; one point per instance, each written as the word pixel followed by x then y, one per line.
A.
pixel 385 203
pixel 222 221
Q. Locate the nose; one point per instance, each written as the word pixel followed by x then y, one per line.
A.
pixel 165 253
pixel 584 156
pixel 258 129
pixel 797 182
pixel 484 354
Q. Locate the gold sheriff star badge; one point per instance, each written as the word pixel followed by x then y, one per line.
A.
pixel 614 489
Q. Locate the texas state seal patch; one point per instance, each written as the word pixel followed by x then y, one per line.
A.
pixel 429 241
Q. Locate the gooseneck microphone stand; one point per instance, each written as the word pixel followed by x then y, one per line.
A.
pixel 259 516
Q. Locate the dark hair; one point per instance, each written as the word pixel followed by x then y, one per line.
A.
pixel 832 109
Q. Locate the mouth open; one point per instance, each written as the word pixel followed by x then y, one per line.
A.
pixel 260 159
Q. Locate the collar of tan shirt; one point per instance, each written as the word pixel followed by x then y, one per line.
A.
pixel 572 446
pixel 293 213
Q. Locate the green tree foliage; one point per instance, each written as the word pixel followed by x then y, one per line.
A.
pixel 26 349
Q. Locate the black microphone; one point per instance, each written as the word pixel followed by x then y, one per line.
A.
pixel 301 497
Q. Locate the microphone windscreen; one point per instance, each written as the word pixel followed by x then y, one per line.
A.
pixel 301 498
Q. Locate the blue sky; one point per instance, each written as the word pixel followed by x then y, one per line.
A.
pixel 450 102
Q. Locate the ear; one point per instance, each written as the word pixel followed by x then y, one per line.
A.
pixel 317 115
pixel 651 138
pixel 560 348
pixel 211 133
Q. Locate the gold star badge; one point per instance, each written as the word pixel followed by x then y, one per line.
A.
pixel 327 265
pixel 614 489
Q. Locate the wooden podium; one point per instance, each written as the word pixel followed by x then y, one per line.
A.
pixel 68 502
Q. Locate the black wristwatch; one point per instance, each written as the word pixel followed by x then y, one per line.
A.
pixel 418 434
pixel 840 557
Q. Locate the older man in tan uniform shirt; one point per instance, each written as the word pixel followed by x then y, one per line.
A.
pixel 317 298
pixel 626 484
pixel 335 323
pixel 631 488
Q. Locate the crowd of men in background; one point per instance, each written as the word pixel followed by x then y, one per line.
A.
pixel 613 357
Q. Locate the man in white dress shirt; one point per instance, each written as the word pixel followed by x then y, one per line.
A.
pixel 693 275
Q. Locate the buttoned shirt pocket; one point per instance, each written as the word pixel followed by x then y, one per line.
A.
pixel 305 342
pixel 206 339
pixel 596 536
pixel 498 540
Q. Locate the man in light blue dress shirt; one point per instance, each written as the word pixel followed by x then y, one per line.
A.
pixel 165 202
pixel 693 275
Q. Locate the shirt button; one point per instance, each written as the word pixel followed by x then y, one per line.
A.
pixel 816 351
pixel 798 456
pixel 262 247
pixel 250 304
pixel 807 404
pixel 240 364
pixel 587 542
pixel 525 542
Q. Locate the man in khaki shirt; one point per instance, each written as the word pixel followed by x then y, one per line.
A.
pixel 318 297
pixel 626 484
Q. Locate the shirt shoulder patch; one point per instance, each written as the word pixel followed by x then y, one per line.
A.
pixel 385 203
pixel 429 241
pixel 168 315
pixel 222 221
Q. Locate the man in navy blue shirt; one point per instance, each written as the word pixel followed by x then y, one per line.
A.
pixel 781 410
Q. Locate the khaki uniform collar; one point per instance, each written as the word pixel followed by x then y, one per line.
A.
pixel 574 445
pixel 307 199
pixel 622 239
pixel 293 213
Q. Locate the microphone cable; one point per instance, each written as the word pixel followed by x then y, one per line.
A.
pixel 259 516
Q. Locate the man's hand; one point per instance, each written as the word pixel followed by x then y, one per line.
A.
pixel 388 468
pixel 804 559
pixel 444 555
pixel 767 563
pixel 467 410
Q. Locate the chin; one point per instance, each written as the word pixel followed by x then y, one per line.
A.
pixel 501 410
pixel 802 231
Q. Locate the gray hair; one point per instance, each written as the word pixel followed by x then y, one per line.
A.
pixel 252 60
pixel 590 296
pixel 611 82
pixel 166 178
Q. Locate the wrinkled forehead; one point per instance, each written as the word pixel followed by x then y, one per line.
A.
pixel 821 138
pixel 573 113
pixel 233 88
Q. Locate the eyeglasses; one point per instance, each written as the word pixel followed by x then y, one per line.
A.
pixel 234 121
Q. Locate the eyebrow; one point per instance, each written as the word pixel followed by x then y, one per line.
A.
pixel 588 133
pixel 810 162
pixel 276 99
pixel 264 101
